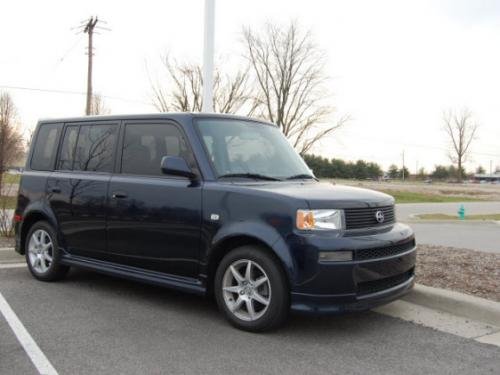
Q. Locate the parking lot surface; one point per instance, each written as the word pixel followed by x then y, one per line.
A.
pixel 90 323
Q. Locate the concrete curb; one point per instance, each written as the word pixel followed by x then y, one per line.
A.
pixel 474 308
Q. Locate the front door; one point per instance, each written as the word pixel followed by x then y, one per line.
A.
pixel 154 220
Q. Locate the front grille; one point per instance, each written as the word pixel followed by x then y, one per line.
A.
pixel 359 218
pixel 382 252
pixel 369 287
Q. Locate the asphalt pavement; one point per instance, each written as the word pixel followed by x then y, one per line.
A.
pixel 474 235
pixel 91 323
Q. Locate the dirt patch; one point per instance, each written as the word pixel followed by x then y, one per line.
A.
pixel 489 192
pixel 466 271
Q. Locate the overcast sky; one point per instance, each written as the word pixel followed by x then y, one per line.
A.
pixel 394 65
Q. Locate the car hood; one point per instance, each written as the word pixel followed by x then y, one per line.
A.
pixel 327 195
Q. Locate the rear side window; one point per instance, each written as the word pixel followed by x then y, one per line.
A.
pixel 88 148
pixel 146 144
pixel 94 148
pixel 45 147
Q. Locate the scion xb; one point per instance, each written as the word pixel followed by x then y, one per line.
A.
pixel 209 204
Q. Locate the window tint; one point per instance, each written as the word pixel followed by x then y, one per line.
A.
pixel 45 147
pixel 146 144
pixel 94 149
pixel 68 148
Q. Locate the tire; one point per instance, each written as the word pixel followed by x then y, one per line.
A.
pixel 252 303
pixel 42 253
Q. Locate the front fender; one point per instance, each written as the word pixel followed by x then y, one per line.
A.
pixel 262 233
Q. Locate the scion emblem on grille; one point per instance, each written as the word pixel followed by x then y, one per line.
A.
pixel 379 215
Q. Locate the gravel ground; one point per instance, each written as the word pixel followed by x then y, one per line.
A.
pixel 466 271
pixel 7 242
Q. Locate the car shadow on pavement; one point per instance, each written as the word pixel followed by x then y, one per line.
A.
pixel 204 308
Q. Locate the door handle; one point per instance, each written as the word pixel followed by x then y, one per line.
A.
pixel 119 195
pixel 55 190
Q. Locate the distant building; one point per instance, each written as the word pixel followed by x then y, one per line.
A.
pixel 487 177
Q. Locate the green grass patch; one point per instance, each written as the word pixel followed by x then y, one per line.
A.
pixel 8 202
pixel 413 197
pixel 11 178
pixel 455 217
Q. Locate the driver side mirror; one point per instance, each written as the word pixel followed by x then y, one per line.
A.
pixel 176 166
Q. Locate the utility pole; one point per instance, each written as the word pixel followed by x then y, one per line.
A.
pixel 89 29
pixel 208 56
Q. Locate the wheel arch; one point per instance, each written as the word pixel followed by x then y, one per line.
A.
pixel 272 242
pixel 29 220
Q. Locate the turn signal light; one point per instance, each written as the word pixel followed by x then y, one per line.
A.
pixel 305 219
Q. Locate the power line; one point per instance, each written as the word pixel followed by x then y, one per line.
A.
pixel 70 92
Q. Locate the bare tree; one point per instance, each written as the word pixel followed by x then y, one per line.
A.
pixel 11 139
pixel 461 130
pixel 181 91
pixel 98 106
pixel 289 70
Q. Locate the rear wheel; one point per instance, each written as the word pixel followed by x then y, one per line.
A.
pixel 251 289
pixel 42 253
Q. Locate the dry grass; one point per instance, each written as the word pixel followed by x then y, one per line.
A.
pixel 435 192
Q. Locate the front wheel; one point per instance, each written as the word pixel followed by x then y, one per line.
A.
pixel 251 289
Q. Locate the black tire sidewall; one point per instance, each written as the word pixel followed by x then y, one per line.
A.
pixel 280 295
pixel 56 270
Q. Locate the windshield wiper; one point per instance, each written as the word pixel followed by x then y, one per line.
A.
pixel 301 176
pixel 250 175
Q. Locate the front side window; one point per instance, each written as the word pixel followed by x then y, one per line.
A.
pixel 145 145
pixel 95 148
pixel 45 147
pixel 246 147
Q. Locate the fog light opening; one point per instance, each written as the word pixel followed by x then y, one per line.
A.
pixel 335 256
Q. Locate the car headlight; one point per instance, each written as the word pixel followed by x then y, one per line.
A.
pixel 319 219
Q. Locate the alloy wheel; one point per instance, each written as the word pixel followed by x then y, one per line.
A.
pixel 246 290
pixel 40 251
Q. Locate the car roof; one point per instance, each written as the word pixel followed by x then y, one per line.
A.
pixel 179 117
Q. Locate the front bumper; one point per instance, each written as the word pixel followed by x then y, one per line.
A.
pixel 360 284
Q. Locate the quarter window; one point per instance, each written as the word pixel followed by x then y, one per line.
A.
pixel 146 144
pixel 45 147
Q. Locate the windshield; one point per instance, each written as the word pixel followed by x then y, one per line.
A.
pixel 239 148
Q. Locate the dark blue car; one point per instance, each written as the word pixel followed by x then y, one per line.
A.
pixel 208 204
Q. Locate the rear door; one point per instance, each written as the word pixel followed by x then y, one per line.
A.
pixel 154 220
pixel 77 190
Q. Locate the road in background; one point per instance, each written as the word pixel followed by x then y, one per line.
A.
pixel 405 210
pixel 474 235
